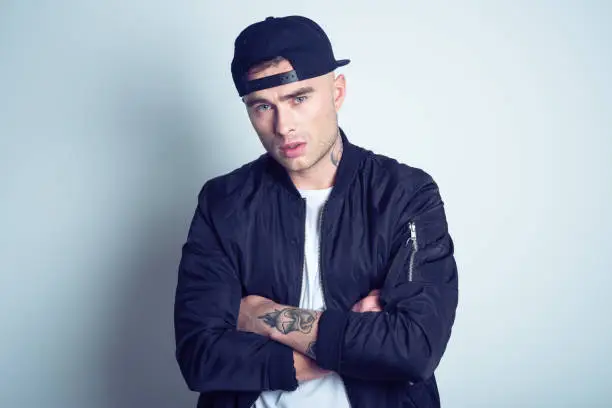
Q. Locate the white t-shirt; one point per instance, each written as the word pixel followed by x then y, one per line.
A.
pixel 329 391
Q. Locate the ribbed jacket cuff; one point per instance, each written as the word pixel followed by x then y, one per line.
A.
pixel 330 338
pixel 281 374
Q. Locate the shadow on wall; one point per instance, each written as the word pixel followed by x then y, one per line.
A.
pixel 141 367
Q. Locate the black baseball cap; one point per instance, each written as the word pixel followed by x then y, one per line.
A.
pixel 298 39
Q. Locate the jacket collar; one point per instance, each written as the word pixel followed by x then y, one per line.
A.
pixel 352 156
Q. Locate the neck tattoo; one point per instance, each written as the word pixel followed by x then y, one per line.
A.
pixel 336 153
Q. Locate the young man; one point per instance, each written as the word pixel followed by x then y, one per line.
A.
pixel 321 274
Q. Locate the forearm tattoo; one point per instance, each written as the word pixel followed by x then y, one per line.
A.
pixel 291 319
pixel 310 350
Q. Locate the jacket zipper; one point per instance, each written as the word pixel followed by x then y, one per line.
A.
pixel 302 272
pixel 321 280
pixel 415 248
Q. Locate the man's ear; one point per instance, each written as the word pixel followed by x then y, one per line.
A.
pixel 339 91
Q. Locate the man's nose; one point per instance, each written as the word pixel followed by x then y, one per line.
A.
pixel 284 121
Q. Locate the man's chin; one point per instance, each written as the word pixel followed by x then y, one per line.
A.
pixel 293 165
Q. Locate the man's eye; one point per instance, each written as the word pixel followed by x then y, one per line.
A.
pixel 263 107
pixel 300 99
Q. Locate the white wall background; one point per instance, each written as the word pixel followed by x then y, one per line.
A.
pixel 113 114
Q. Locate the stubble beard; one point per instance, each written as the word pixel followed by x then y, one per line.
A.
pixel 326 153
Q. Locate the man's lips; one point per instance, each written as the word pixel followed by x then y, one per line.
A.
pixel 291 146
pixel 292 150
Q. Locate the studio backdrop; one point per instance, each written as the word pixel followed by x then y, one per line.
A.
pixel 113 114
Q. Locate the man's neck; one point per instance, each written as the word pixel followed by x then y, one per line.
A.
pixel 323 174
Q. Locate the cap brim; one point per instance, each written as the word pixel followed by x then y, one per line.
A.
pixel 342 62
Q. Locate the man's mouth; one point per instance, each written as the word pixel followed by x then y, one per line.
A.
pixel 291 150
pixel 291 146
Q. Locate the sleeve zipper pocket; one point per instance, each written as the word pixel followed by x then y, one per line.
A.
pixel 412 240
pixel 405 255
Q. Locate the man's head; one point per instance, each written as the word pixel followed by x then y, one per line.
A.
pixel 297 122
pixel 283 69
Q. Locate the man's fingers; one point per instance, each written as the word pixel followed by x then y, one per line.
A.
pixel 369 303
pixel 371 308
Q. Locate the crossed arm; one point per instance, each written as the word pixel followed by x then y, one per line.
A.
pixel 404 343
pixel 294 327
pixel 210 351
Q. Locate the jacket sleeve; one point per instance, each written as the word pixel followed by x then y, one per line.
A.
pixel 212 354
pixel 405 341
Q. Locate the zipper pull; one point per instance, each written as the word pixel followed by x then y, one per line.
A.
pixel 413 233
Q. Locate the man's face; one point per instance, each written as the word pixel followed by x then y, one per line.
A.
pixel 297 122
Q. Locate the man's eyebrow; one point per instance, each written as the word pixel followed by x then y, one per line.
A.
pixel 255 101
pixel 297 92
pixel 292 95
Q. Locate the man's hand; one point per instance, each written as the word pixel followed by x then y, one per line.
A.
pixel 306 369
pixel 370 303
pixel 252 308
